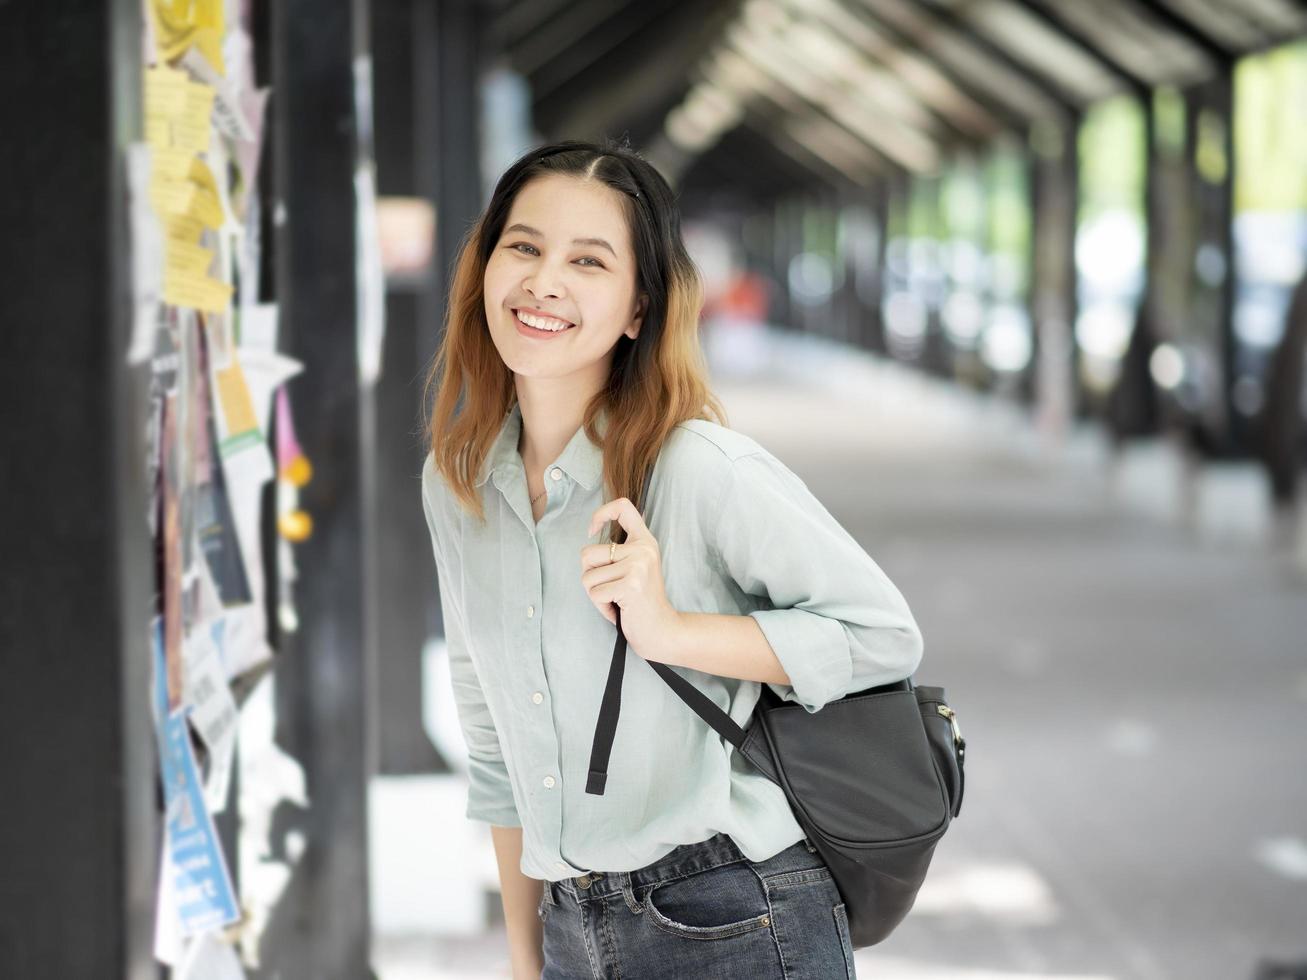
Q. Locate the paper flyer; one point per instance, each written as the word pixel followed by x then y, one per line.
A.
pixel 201 885
pixel 195 890
pixel 214 522
pixel 213 713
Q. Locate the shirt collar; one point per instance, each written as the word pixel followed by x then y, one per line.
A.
pixel 581 459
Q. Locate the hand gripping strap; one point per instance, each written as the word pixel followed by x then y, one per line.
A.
pixel 611 707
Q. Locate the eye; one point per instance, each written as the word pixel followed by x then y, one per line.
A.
pixel 516 246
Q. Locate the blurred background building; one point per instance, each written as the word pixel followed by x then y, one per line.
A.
pixel 1042 263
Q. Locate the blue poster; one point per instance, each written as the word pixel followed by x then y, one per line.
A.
pixel 202 889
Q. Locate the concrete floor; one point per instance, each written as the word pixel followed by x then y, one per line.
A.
pixel 1127 654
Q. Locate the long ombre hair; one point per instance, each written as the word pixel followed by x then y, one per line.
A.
pixel 657 380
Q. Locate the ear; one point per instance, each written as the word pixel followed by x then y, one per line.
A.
pixel 637 321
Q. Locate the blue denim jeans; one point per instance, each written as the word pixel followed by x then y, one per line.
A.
pixel 702 912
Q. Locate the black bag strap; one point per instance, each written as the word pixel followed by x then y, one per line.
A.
pixel 610 708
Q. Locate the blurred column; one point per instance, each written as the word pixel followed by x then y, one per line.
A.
pixel 447 155
pixel 1211 150
pixel 322 126
pixel 404 584
pixel 79 829
pixel 1053 277
pixel 874 337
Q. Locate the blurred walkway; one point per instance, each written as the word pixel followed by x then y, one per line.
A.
pixel 1132 687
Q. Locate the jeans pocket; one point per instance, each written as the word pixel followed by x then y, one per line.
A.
pixel 715 904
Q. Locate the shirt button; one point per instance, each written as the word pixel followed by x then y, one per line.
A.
pixel 537 697
pixel 556 473
pixel 530 611
pixel 549 782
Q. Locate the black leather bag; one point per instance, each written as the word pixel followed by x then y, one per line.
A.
pixel 874 779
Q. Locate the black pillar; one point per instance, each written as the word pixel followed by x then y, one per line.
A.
pixel 79 829
pixel 321 927
pixel 1053 191
pixel 404 585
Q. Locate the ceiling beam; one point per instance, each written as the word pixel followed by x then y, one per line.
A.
pixel 1016 120
pixel 520 19
pixel 634 77
pixel 789 102
pixel 576 28
pixel 965 33
pixel 1086 45
pixel 907 146
pixel 1000 113
pixel 1177 23
pixel 845 27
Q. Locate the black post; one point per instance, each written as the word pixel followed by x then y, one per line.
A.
pixel 321 927
pixel 79 829
pixel 1053 175
pixel 404 581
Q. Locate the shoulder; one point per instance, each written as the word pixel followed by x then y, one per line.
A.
pixel 431 481
pixel 434 490
pixel 726 462
pixel 701 442
pixel 702 460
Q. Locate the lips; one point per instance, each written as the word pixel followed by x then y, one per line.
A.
pixel 526 330
pixel 542 314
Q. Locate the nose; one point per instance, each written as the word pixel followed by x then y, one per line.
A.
pixel 544 281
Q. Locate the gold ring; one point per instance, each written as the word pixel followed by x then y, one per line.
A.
pixel 612 549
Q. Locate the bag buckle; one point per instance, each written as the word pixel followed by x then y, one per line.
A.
pixel 952 717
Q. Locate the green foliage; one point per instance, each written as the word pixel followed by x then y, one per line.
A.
pixel 1270 130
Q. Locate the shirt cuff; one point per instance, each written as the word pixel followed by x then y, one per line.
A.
pixel 813 649
pixel 490 794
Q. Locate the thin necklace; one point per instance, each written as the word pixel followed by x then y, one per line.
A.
pixel 539 495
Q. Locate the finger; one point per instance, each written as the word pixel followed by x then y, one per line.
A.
pixel 601 574
pixel 624 512
pixel 608 593
pixel 609 553
pixel 595 555
pixel 606 512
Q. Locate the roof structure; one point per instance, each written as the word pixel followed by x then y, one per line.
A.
pixel 778 93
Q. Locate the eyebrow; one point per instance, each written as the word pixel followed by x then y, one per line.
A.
pixel 528 230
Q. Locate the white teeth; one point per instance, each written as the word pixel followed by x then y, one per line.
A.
pixel 542 323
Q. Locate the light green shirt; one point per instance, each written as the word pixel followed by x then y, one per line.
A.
pixel 738 533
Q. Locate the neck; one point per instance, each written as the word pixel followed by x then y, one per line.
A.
pixel 551 414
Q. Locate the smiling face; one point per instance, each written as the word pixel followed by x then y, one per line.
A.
pixel 564 255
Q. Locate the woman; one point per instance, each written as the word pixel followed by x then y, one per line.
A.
pixel 569 367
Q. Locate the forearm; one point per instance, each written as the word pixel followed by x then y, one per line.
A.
pixel 723 645
pixel 521 897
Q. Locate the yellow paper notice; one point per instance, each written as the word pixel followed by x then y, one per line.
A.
pixel 180 24
pixel 183 227
pixel 235 401
pixel 191 128
pixel 165 91
pixel 195 198
pixel 199 292
pixel 188 258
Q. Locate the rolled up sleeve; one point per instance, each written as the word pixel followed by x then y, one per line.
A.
pixel 490 792
pixel 837 625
